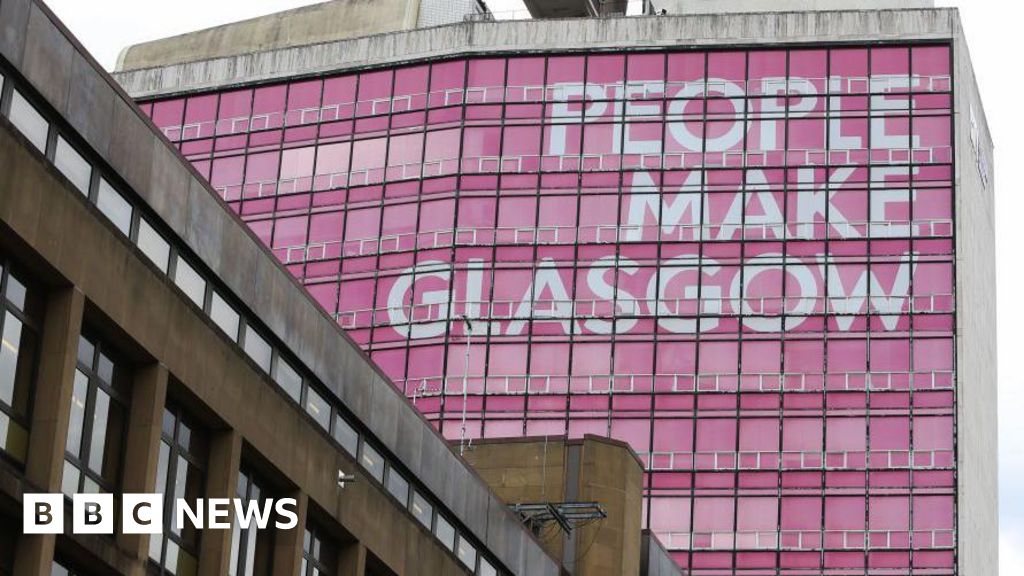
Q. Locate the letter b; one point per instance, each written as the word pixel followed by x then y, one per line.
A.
pixel 92 513
pixel 43 514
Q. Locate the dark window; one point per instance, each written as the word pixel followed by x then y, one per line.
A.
pixel 58 569
pixel 10 531
pixel 319 555
pixel 96 429
pixel 181 474
pixel 19 314
pixel 251 549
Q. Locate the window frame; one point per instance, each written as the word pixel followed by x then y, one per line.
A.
pixel 29 324
pixel 314 543
pixel 95 383
pixel 199 461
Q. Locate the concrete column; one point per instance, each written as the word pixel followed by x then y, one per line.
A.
pixel 142 449
pixel 288 543
pixel 51 410
pixel 222 477
pixel 352 560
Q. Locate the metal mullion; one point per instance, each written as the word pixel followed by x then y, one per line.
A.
pixel 457 177
pixel 911 314
pixel 648 483
pixel 213 138
pixel 783 334
pixel 280 161
pixel 169 489
pixel 741 313
pixel 346 209
pixel 621 171
pixel 168 502
pixel 312 187
pixel 697 331
pixel 247 151
pixel 415 250
pixel 869 336
pixel 567 417
pixel 383 191
pixel 88 419
pixel 498 196
pixel 7 307
pixel 955 190
pixel 579 203
pixel 827 332
pixel 532 266
pixel 9 412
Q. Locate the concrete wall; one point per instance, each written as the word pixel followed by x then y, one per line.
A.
pixel 524 470
pixel 74 85
pixel 594 469
pixel 531 36
pixel 977 379
pixel 725 6
pixel 308 25
pixel 610 473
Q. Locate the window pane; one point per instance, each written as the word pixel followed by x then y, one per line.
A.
pixel 288 378
pixel 373 462
pixel 224 316
pixel 257 349
pixel 69 481
pixel 72 165
pixel 77 421
pixel 445 532
pixel 86 351
pixel 318 408
pixel 29 121
pixel 16 292
pixel 115 207
pixel 11 345
pixel 13 438
pixel 153 245
pixel 467 553
pixel 398 486
pixel 345 435
pixel 190 282
pixel 486 569
pixel 422 509
pixel 100 421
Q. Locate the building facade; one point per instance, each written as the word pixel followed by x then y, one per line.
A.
pixel 151 344
pixel 756 247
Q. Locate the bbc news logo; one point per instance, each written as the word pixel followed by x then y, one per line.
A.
pixel 144 514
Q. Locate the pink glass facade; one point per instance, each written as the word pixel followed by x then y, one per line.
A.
pixel 739 262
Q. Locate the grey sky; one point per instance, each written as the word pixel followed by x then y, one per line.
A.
pixel 106 26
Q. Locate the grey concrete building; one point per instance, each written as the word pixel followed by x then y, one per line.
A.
pixel 152 344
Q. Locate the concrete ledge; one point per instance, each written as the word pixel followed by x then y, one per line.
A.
pixel 543 35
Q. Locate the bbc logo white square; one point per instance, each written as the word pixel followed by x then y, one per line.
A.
pixel 142 513
pixel 43 514
pixel 92 513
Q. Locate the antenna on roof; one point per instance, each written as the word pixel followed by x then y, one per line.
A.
pixel 465 386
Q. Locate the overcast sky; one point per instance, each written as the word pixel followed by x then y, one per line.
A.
pixel 106 26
